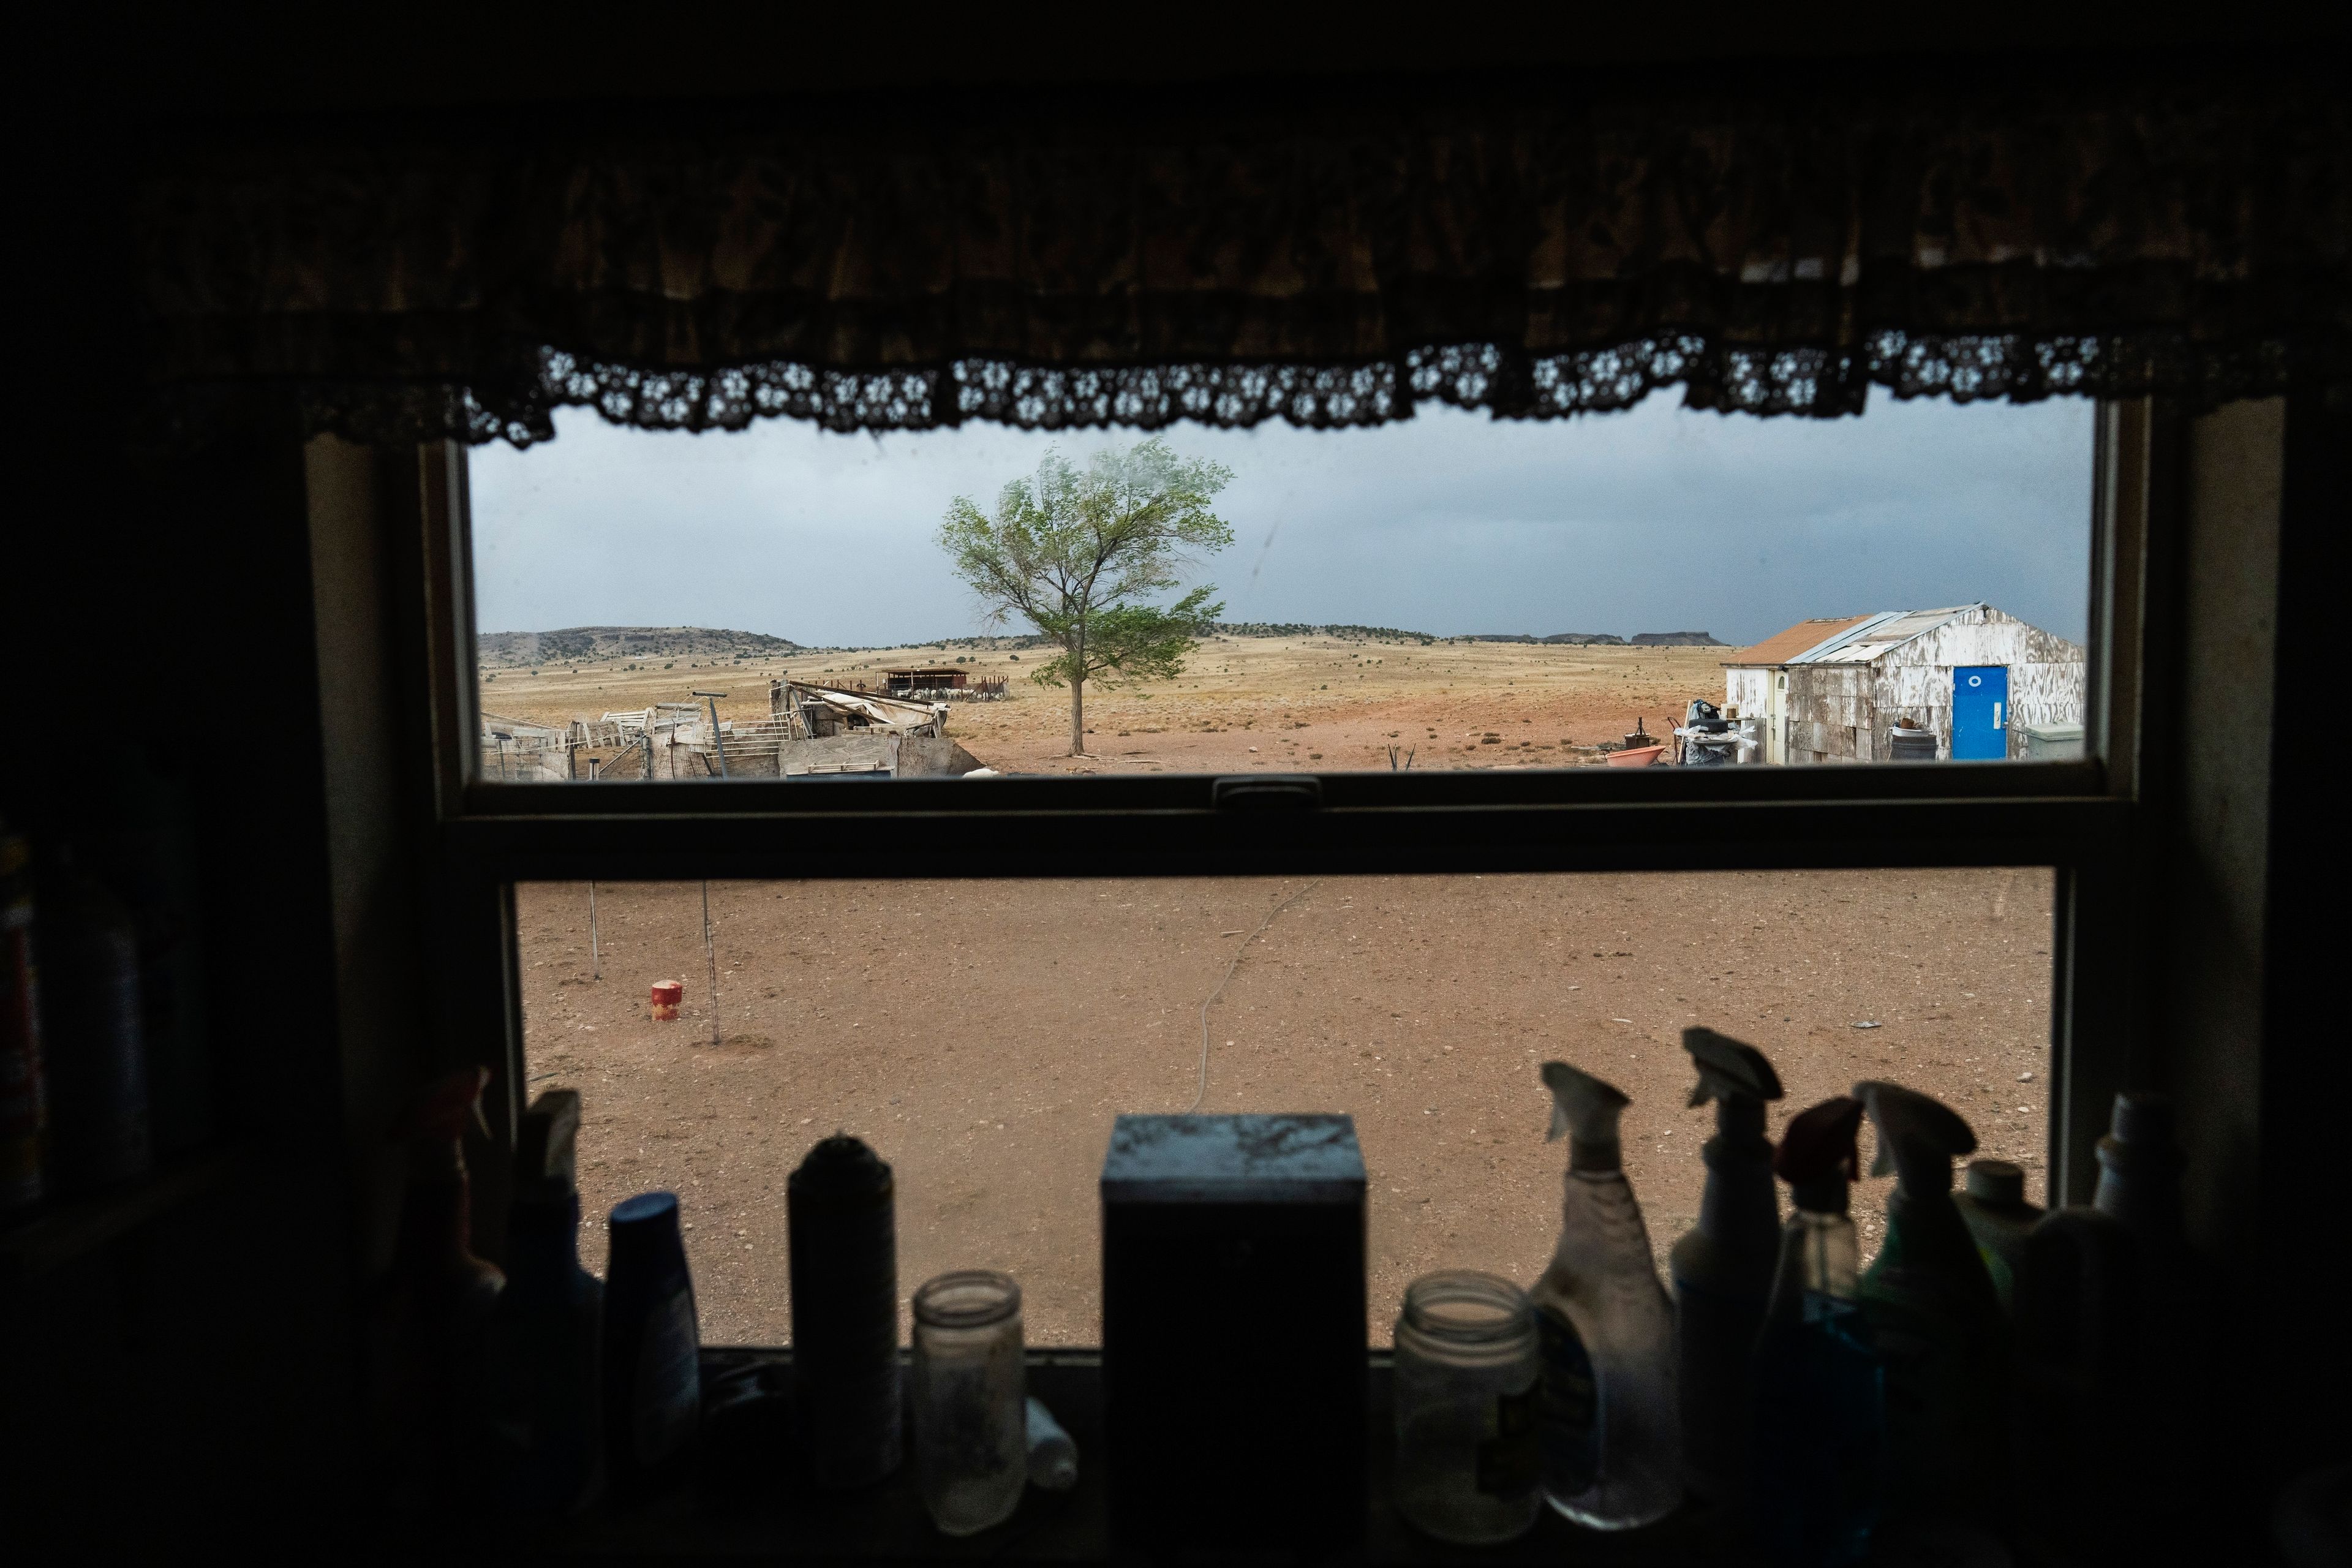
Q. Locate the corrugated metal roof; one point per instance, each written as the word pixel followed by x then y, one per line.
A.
pixel 1781 647
pixel 1878 634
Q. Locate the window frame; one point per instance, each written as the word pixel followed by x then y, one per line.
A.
pixel 2081 818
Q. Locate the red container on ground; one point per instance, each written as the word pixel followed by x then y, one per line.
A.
pixel 667 995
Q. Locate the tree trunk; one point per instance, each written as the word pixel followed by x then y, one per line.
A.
pixel 1078 716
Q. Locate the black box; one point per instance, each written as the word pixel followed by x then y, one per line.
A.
pixel 1234 1336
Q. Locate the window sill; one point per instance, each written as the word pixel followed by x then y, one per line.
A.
pixel 59 1231
pixel 747 1501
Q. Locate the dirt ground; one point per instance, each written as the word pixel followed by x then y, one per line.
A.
pixel 982 1035
pixel 1321 702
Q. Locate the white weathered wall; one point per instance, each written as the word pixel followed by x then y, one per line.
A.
pixel 1828 712
pixel 1747 689
pixel 2045 675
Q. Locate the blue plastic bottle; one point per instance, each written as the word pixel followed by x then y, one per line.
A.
pixel 1819 1458
pixel 653 1373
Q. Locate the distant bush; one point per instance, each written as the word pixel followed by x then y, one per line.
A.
pixel 1299 629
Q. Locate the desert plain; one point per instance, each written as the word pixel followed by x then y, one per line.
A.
pixel 1275 702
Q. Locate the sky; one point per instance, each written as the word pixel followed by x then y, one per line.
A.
pixel 1658 519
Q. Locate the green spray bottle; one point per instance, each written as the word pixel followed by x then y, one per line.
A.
pixel 1722 1269
pixel 1933 1315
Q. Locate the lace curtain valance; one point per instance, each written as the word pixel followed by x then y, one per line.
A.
pixel 1535 250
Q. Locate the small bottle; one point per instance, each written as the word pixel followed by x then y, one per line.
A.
pixel 1992 1201
pixel 1819 1427
pixel 547 1328
pixel 23 1100
pixel 970 1398
pixel 1053 1456
pixel 653 1347
pixel 2139 1172
pixel 1609 1423
pixel 1468 1367
pixel 1722 1268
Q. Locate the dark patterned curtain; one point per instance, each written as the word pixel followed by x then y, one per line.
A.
pixel 1534 249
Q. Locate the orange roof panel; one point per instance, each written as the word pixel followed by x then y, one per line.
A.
pixel 1782 646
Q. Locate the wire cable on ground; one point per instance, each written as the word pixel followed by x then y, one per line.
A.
pixel 1201 1093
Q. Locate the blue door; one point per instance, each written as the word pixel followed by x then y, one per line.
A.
pixel 1979 713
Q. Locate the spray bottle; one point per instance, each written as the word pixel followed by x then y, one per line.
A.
pixel 435 1301
pixel 549 1320
pixel 1722 1269
pixel 1819 1420
pixel 1933 1315
pixel 1612 1438
pixel 434 1263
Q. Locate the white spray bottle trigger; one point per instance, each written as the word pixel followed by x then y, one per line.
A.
pixel 1586 1109
pixel 546 1143
pixel 1919 1136
pixel 1728 1068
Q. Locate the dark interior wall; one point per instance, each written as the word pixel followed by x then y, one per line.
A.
pixel 2217 798
pixel 371 757
pixel 207 1353
pixel 162 641
pixel 2306 1073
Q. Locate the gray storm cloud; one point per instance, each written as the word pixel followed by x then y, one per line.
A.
pixel 1654 520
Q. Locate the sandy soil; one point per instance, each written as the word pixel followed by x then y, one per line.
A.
pixel 982 1035
pixel 1280 703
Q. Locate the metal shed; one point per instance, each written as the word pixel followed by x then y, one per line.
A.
pixel 1832 690
pixel 925 678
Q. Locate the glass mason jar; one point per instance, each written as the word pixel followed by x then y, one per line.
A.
pixel 1467 1367
pixel 972 1442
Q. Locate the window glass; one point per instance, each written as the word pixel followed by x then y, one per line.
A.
pixel 982 1035
pixel 1658 587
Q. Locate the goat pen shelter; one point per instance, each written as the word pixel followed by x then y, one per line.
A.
pixel 1833 689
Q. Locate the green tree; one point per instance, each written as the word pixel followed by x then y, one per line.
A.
pixel 1079 552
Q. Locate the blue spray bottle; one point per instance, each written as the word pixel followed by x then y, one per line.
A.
pixel 1819 1420
pixel 1722 1268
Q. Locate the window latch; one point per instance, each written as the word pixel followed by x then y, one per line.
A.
pixel 1270 792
